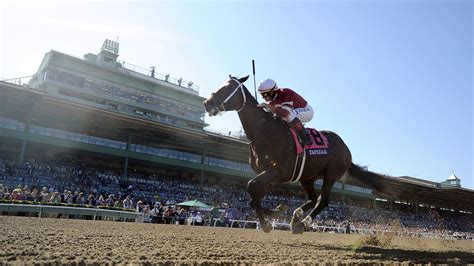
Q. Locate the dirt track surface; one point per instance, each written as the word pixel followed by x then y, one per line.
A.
pixel 61 241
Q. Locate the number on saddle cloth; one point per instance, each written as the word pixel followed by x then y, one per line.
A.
pixel 317 137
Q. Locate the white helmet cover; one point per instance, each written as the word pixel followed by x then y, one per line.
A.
pixel 267 85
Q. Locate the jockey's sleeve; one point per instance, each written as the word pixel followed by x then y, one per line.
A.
pixel 282 112
pixel 283 109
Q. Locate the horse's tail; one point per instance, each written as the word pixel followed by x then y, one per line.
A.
pixel 371 179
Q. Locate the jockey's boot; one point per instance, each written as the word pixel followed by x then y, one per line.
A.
pixel 302 134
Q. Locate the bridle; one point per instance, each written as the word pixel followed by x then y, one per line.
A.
pixel 241 87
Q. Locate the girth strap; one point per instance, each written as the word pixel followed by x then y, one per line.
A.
pixel 299 166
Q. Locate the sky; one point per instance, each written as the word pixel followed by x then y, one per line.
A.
pixel 393 78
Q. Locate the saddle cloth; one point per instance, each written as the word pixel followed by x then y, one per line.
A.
pixel 319 142
pixel 319 146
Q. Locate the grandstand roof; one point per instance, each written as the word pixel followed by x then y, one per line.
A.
pixel 430 193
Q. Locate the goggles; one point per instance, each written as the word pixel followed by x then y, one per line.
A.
pixel 267 93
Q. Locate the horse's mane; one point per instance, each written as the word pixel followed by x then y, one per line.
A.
pixel 272 118
pixel 269 117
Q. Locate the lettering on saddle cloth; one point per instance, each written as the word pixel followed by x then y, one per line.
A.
pixel 319 143
pixel 319 146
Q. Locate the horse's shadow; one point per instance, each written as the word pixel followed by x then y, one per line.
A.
pixel 396 254
pixel 416 256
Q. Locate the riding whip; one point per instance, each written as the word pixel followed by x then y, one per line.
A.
pixel 254 84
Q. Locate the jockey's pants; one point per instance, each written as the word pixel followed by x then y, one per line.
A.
pixel 304 114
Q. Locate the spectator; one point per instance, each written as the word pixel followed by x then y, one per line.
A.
pixel 91 201
pixel 80 199
pixel 198 219
pixel 101 201
pixel 44 195
pixel 127 203
pixel 154 213
pixel 55 198
pixel 110 201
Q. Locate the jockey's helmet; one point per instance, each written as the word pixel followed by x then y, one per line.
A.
pixel 267 86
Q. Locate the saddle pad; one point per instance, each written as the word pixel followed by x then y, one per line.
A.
pixel 319 142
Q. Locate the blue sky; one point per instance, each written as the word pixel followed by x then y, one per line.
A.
pixel 393 78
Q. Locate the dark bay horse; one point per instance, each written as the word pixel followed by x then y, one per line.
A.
pixel 273 155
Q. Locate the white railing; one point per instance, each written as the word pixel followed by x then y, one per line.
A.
pixel 18 81
pixel 341 229
pixel 231 134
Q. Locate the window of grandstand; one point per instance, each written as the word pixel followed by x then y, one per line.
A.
pixel 212 161
pixel 11 124
pixel 150 115
pixel 94 140
pixel 186 156
pixel 154 101
pixel 61 134
pixel 358 189
pixel 319 182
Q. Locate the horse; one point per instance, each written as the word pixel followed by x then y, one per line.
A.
pixel 273 155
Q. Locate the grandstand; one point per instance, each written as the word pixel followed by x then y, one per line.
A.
pixel 118 124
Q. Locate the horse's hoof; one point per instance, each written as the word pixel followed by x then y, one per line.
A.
pixel 281 208
pixel 297 228
pixel 266 227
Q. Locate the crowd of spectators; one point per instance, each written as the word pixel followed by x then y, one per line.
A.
pixel 56 182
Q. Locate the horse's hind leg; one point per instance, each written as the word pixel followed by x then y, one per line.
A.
pixel 258 187
pixel 323 199
pixel 308 187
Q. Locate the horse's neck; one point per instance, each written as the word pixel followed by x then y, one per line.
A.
pixel 254 121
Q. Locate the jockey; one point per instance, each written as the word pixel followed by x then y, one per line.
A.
pixel 289 105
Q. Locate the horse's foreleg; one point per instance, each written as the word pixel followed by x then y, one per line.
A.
pixel 258 187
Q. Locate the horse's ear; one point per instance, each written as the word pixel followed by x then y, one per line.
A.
pixel 243 79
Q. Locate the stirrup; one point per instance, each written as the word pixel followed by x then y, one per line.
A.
pixel 305 142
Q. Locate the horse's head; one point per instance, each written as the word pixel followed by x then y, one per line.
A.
pixel 230 96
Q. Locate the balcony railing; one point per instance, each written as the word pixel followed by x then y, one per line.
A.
pixel 18 81
pixel 164 77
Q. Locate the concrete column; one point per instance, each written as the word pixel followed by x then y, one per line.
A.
pixel 29 117
pixel 125 165
pixel 201 178
pixel 416 206
pixel 344 194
